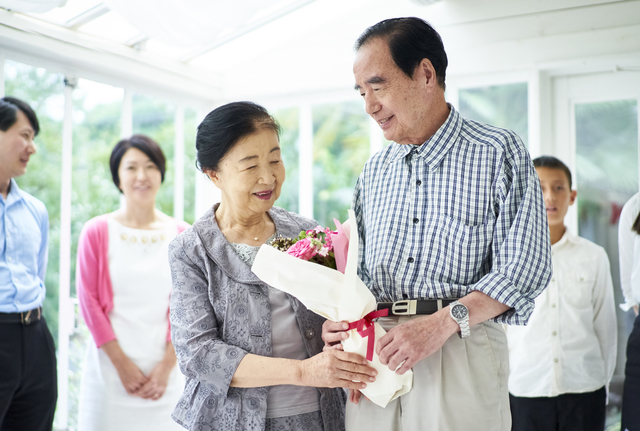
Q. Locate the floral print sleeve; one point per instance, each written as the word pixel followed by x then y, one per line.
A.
pixel 201 353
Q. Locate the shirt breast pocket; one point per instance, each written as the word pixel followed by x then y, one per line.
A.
pixel 466 249
pixel 578 285
pixel 29 239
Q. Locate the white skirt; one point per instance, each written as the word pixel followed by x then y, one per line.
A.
pixel 105 405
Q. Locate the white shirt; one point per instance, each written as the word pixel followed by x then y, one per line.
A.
pixel 629 246
pixel 569 344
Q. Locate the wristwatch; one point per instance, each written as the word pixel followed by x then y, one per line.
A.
pixel 460 313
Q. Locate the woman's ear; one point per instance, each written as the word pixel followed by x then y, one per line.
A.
pixel 213 176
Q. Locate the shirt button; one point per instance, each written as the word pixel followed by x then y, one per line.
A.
pixel 581 278
pixel 553 279
pixel 415 220
pixel 418 182
pixel 554 333
pixel 555 360
pixel 410 260
pixel 9 258
pixel 309 333
pixel 553 305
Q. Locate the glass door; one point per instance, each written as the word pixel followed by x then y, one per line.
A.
pixel 596 134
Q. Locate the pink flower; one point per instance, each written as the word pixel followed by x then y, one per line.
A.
pixel 324 251
pixel 302 249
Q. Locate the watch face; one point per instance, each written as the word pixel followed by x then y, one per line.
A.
pixel 459 311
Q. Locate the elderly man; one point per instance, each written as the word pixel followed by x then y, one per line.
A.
pixel 454 239
pixel 28 389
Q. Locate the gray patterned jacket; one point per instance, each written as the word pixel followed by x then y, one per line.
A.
pixel 219 313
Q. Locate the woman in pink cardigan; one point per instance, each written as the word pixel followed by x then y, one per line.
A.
pixel 130 379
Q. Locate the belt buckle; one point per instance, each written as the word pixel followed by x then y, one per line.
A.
pixel 27 318
pixel 404 308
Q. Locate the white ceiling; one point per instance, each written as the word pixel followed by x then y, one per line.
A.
pixel 290 48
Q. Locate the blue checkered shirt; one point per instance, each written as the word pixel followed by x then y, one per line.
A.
pixel 462 212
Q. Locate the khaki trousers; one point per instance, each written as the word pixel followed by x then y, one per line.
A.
pixel 462 387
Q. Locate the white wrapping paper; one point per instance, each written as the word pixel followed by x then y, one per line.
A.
pixel 337 297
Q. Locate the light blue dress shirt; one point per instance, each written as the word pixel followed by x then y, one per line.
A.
pixel 24 229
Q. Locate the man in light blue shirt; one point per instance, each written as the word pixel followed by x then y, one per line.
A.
pixel 28 384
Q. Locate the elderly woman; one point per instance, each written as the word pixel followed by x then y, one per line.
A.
pixel 251 354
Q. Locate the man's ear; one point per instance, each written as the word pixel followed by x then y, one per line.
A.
pixel 572 196
pixel 428 73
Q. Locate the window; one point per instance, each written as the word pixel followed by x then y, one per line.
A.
pixel 289 147
pixel 503 106
pixel 340 150
pixel 606 167
pixel 190 169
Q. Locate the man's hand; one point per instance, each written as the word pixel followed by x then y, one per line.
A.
pixel 415 340
pixel 333 333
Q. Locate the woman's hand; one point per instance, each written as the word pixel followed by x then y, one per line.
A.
pixel 157 382
pixel 154 388
pixel 132 378
pixel 337 369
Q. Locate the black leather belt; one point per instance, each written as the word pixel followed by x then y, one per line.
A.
pixel 26 317
pixel 412 307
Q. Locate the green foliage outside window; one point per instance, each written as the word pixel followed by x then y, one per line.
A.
pixel 190 170
pixel 289 147
pixel 340 150
pixel 503 106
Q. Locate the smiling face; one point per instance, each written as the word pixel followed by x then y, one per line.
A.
pixel 404 108
pixel 251 174
pixel 140 178
pixel 557 193
pixel 16 147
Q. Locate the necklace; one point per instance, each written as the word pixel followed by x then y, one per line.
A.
pixel 264 223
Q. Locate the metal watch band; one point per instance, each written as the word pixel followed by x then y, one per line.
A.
pixel 462 323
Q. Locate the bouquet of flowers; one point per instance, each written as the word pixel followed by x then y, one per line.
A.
pixel 314 245
pixel 333 290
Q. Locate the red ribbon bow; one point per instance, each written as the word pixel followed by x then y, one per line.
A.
pixel 366 329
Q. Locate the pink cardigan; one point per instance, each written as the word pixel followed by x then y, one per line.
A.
pixel 93 282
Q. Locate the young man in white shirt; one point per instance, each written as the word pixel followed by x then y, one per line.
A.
pixel 561 363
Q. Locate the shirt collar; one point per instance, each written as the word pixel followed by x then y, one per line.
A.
pixel 568 237
pixel 433 150
pixel 15 194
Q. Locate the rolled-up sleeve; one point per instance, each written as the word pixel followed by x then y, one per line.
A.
pixel 202 354
pixel 521 248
